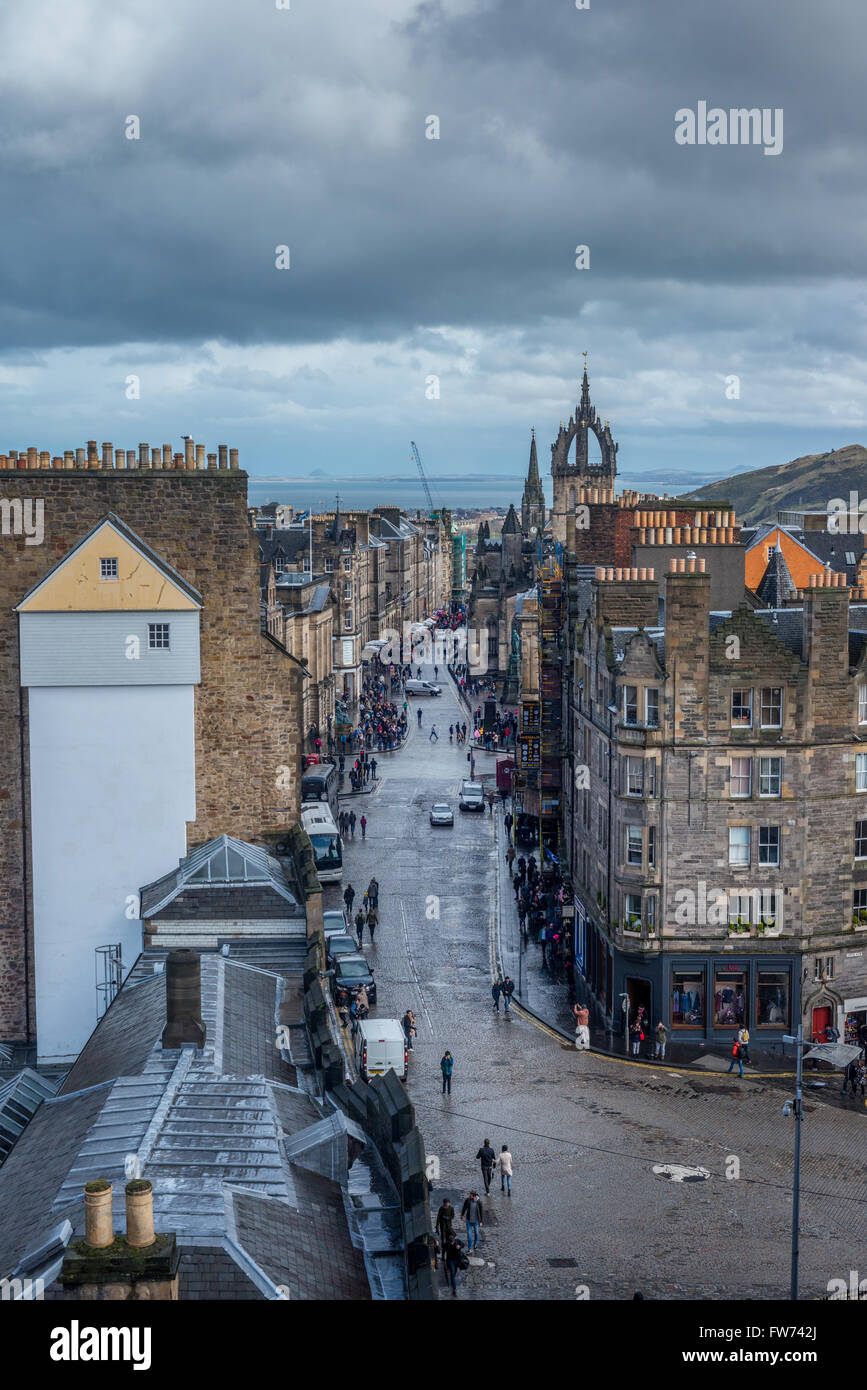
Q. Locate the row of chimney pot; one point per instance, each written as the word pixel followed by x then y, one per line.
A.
pixel 191 459
pixel 617 572
pixel 98 1220
pixel 690 565
pixel 686 535
pixel 719 521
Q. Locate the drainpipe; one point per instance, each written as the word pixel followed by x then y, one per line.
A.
pixel 24 855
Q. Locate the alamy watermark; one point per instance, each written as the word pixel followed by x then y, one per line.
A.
pixel 737 126
pixel 23 516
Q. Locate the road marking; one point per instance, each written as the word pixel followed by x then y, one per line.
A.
pixel 415 975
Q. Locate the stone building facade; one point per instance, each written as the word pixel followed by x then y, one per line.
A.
pixel 715 827
pixel 192 511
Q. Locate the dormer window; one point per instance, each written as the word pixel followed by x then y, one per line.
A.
pixel 108 568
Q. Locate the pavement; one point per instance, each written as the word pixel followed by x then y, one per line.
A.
pixel 663 1178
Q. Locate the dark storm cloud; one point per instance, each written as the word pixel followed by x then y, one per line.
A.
pixel 306 127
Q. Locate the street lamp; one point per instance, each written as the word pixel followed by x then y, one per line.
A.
pixel 796 1108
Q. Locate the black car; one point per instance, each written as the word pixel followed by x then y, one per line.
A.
pixel 340 944
pixel 350 973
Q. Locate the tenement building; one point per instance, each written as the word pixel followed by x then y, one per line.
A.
pixel 716 823
pixel 143 711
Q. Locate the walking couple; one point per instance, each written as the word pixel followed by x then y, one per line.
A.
pixel 490 1163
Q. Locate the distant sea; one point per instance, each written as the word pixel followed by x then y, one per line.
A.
pixel 468 490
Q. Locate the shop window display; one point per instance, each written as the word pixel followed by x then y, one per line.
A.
pixel 687 998
pixel 729 1000
pixel 772 999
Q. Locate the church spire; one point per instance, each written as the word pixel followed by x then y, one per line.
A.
pixel 533 471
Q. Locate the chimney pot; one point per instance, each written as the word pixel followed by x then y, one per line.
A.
pixel 223 452
pixel 140 1213
pixel 98 1224
pixel 233 458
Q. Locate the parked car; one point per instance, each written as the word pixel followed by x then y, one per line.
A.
pixel 472 796
pixel 350 973
pixel 339 944
pixel 414 687
pixel 441 814
pixel 333 921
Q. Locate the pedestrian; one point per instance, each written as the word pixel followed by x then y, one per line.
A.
pixel 451 732
pixel 445 1222
pixel 447 1063
pixel 637 1037
pixel 507 822
pixel 372 893
pixel 418 712
pixel 504 1168
pixel 409 1029
pixel 433 736
pixel 487 1159
pixel 373 768
pixel 473 1213
pixel 744 1040
pixel 436 672
pixel 359 926
pixel 582 1026
pixel 352 824
pixel 363 827
pixel 736 1057
pixel 372 921
pixel 522 867
pixel 495 994
pixel 510 857
pixel 508 989
pixel 453 1260
pixel 491 802
pixel 349 898
pixel 661 1040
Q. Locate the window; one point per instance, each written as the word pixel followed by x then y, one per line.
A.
pixel 771 550
pixel 602 825
pixel 630 704
pixel 859 905
pixel 632 905
pixel 729 998
pixel 650 767
pixel 769 844
pixel 850 557
pixel 770 776
pixel 739 908
pixel 861 839
pixel 772 707
pixel 741 777
pixel 651 846
pixel 329 564
pixel 650 911
pixel 739 844
pixel 585 812
pixel 347 563
pixel 687 998
pixel 861 772
pixel 108 568
pixel 586 746
pixel 651 707
pixel 772 999
pixel 600 748
pixel 742 709
pixel 347 588
pixel 158 636
pixel 633 845
pixel 823 968
pixel 634 777
pixel 347 620
pixel 862 704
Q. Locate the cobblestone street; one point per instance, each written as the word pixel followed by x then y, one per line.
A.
pixel 586 1131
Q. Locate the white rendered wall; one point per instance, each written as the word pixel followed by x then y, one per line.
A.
pixel 112 783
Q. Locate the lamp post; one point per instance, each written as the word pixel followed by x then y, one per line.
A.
pixel 796 1191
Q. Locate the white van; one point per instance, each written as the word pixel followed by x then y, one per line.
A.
pixel 380 1045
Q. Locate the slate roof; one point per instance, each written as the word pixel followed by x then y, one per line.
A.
pixel 20 1098
pixel 250 1171
pixel 776 587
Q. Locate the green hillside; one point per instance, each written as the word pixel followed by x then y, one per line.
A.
pixel 808 482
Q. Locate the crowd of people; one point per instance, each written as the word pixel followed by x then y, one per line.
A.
pixel 449 1250
pixel 539 896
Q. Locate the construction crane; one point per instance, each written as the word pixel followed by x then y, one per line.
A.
pixel 417 456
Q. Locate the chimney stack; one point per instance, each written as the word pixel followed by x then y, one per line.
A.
pixel 140 1267
pixel 184 1026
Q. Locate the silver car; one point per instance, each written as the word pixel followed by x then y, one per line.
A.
pixel 441 814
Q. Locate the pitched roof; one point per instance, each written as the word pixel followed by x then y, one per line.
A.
pixel 225 863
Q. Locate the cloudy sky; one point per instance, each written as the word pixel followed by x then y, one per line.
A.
pixel 415 258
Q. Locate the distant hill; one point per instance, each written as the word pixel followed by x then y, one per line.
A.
pixel 810 482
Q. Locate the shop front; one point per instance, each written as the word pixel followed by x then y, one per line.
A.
pixel 711 998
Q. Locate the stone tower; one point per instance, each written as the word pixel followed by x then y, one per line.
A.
pixel 533 500
pixel 511 541
pixel 569 477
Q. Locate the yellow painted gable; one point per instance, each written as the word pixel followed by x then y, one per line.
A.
pixel 76 586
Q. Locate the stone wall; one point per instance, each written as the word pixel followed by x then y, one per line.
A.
pixel 247 707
